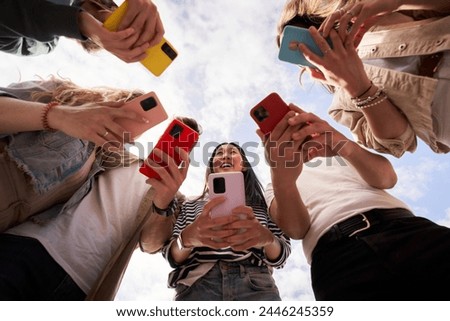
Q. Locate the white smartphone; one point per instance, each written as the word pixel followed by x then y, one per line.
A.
pixel 228 184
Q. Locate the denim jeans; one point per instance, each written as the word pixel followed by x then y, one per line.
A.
pixel 29 273
pixel 231 281
pixel 401 259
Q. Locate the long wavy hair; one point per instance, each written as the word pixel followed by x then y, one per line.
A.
pixel 254 192
pixel 68 93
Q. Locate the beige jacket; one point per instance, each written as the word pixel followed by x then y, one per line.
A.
pixel 109 281
pixel 412 94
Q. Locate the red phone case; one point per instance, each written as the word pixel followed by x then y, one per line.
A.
pixel 268 112
pixel 177 134
pixel 147 106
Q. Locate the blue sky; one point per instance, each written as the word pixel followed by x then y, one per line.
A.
pixel 227 63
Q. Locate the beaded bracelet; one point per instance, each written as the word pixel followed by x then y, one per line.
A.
pixel 369 99
pixel 44 117
pixel 383 98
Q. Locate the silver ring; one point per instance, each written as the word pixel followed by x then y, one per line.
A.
pixel 107 132
pixel 326 51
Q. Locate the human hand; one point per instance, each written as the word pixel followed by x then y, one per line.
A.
pixel 249 231
pixel 121 43
pixel 360 16
pixel 143 17
pixel 93 122
pixel 282 153
pixel 207 231
pixel 172 176
pixel 317 137
pixel 340 67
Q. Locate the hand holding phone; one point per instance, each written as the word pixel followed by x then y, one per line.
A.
pixel 149 107
pixel 177 134
pixel 269 112
pixel 159 57
pixel 228 184
pixel 293 34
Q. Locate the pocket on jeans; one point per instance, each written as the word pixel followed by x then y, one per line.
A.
pixel 260 280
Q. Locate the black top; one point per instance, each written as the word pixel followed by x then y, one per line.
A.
pixel 32 27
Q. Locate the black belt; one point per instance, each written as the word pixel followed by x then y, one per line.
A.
pixel 362 222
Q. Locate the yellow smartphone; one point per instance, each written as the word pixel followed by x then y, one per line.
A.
pixel 159 57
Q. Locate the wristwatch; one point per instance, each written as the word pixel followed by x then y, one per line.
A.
pixel 180 244
pixel 166 212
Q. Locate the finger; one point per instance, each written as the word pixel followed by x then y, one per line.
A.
pixel 129 16
pixel 212 203
pixel 281 127
pixel 146 26
pixel 159 33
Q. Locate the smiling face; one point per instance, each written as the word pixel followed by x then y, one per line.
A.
pixel 227 159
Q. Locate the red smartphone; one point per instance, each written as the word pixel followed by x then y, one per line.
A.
pixel 228 184
pixel 177 134
pixel 149 107
pixel 268 112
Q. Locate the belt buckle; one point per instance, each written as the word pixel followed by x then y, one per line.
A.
pixel 363 228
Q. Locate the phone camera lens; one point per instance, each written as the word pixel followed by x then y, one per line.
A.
pixel 176 131
pixel 219 185
pixel 169 51
pixel 148 103
pixel 261 113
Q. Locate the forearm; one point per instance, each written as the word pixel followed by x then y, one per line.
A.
pixel 20 115
pixel 288 211
pixel 273 250
pixel 383 117
pixel 156 231
pixel 375 169
pixel 436 5
pixel 180 255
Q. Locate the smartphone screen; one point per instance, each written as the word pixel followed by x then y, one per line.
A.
pixel 228 184
pixel 177 134
pixel 295 56
pixel 269 112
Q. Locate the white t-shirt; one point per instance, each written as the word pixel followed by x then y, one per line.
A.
pixel 333 191
pixel 84 238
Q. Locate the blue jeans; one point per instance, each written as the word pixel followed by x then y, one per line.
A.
pixel 231 281
pixel 402 259
pixel 29 273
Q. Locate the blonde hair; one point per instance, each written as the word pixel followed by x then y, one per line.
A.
pixel 66 92
pixel 313 12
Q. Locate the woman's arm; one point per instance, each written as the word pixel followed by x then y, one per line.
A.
pixel 88 122
pixel 375 169
pixel 341 67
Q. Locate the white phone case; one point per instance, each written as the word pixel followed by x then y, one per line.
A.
pixel 234 191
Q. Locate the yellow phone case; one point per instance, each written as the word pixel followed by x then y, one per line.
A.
pixel 159 57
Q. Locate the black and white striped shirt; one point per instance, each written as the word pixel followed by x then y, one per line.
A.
pixel 189 211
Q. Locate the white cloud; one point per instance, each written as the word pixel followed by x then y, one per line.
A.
pixel 446 220
pixel 413 179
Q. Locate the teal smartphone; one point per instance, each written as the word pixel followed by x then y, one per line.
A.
pixel 295 56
